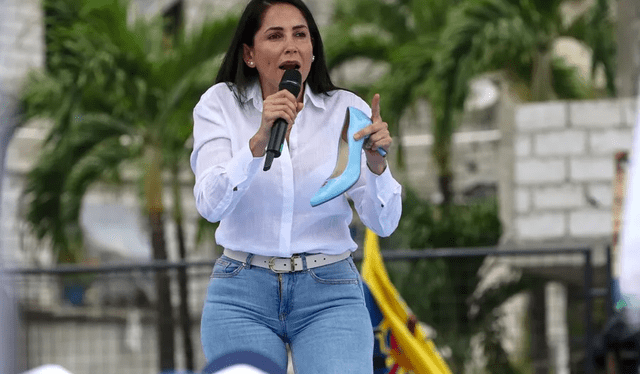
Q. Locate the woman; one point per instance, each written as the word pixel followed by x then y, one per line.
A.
pixel 286 275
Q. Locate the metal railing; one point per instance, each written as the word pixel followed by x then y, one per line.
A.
pixel 106 324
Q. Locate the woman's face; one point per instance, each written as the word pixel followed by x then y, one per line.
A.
pixel 282 42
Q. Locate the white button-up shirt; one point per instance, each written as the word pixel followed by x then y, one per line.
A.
pixel 269 212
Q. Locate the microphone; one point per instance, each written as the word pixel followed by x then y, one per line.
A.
pixel 291 81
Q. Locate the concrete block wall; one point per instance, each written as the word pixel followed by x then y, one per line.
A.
pixel 563 167
pixel 21 42
pixel 474 161
pixel 21 50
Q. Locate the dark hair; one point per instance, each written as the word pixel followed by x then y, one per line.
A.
pixel 239 76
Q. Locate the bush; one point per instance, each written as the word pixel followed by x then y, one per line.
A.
pixel 425 225
pixel 438 290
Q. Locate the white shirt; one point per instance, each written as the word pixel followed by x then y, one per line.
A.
pixel 269 212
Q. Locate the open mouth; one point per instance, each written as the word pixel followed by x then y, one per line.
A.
pixel 289 65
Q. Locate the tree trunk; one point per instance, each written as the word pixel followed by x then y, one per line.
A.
pixel 537 318
pixel 164 310
pixel 185 316
pixel 443 134
pixel 446 188
pixel 442 158
pixel 153 194
pixel 542 76
pixel 441 150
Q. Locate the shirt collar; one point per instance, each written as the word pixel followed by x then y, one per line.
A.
pixel 316 99
pixel 254 93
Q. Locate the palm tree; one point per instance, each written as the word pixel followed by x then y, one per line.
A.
pixel 405 35
pixel 118 98
pixel 433 48
pixel 517 37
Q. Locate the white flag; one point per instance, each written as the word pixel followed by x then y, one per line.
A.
pixel 629 256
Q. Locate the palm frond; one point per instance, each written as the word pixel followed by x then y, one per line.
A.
pixel 102 160
pixel 201 46
pixel 112 88
pixel 340 49
pixel 427 15
pixel 385 16
pixel 595 28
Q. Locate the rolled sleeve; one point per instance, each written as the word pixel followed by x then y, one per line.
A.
pixel 242 168
pixel 387 200
pixel 378 201
pixel 385 186
pixel 219 188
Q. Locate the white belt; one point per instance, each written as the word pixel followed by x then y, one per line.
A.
pixel 286 264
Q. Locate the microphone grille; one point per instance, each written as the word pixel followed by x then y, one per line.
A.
pixel 291 81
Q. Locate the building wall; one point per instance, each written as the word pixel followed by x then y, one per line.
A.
pixel 563 168
pixel 628 58
pixel 22 41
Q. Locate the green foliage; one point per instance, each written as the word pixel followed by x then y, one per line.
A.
pixel 113 91
pixel 405 35
pixel 425 225
pixel 511 35
pixel 443 292
pixel 446 285
pixel 431 49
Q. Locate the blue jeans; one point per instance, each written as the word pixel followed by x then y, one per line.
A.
pixel 320 312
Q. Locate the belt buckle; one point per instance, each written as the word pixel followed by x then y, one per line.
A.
pixel 272 264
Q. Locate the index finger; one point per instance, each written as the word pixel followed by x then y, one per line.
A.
pixel 375 107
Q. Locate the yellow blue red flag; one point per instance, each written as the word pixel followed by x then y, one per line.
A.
pixel 401 346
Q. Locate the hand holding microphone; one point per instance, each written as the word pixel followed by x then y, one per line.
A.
pixel 291 81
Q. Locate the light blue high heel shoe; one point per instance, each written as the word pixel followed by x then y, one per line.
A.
pixel 346 174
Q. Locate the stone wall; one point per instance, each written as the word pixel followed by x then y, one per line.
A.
pixel 563 168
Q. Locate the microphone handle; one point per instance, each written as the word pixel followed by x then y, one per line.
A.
pixel 276 142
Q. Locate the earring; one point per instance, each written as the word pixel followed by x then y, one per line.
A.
pixel 251 63
pixel 313 58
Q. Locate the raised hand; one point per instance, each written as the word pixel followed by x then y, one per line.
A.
pixel 379 137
